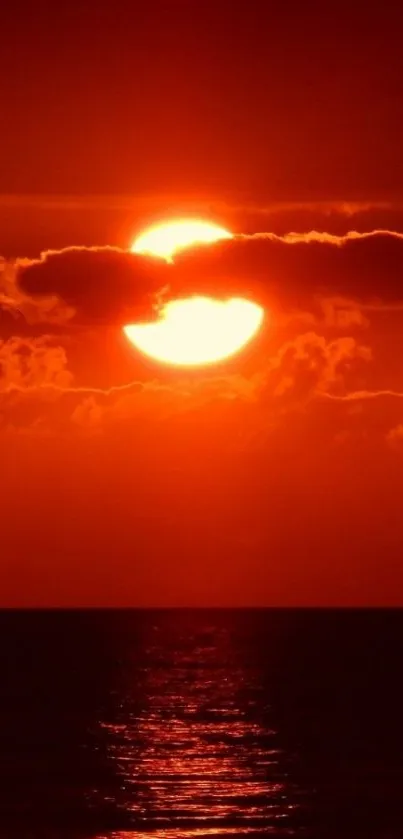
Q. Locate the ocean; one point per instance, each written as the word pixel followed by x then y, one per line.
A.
pixel 201 723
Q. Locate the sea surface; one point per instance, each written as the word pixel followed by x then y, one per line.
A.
pixel 201 723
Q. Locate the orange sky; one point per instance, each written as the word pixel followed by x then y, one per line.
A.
pixel 276 477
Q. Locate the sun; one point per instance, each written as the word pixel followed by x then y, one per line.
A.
pixel 166 239
pixel 197 331
pixel 192 331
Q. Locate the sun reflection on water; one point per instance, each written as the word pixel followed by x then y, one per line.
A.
pixel 193 833
pixel 192 750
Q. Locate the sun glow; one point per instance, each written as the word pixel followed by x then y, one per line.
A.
pixel 166 239
pixel 197 330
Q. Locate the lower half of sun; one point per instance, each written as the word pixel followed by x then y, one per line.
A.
pixel 198 330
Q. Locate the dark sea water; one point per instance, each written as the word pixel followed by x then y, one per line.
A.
pixel 201 724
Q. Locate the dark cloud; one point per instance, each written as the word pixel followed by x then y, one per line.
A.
pixel 294 268
pixel 326 277
pixel 100 284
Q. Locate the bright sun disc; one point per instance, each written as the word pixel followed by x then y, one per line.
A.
pixel 166 239
pixel 197 330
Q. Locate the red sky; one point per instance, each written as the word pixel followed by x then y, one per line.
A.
pixel 276 478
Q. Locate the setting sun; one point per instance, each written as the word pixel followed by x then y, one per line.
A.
pixel 166 239
pixel 197 330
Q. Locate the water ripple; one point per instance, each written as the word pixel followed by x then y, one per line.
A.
pixel 198 748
